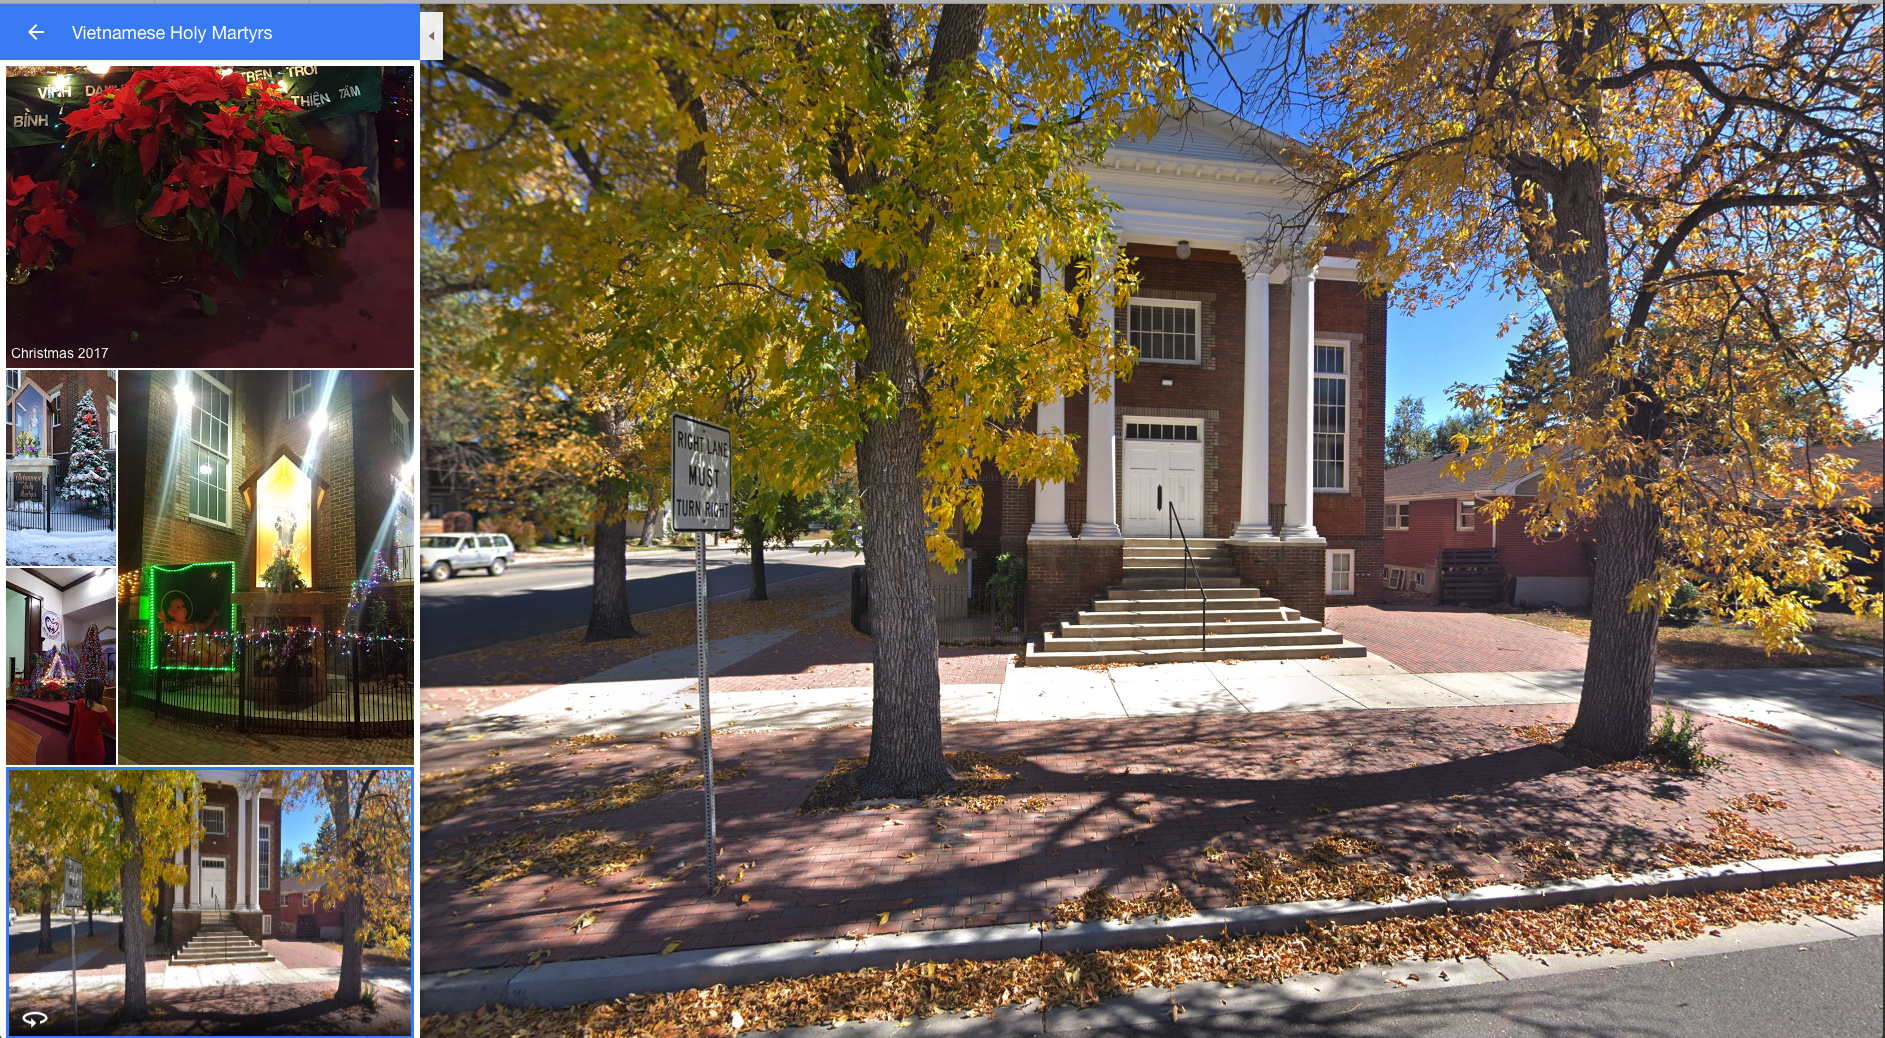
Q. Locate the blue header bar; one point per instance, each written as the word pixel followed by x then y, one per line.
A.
pixel 207 34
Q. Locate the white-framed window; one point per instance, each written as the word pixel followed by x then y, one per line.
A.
pixel 13 381
pixel 1396 578
pixel 263 857
pixel 1420 580
pixel 1186 432
pixel 266 920
pixel 1466 514
pixel 214 821
pixel 304 392
pixel 1398 516
pixel 1330 416
pixel 52 409
pixel 210 449
pixel 111 430
pixel 1341 566
pixel 1165 330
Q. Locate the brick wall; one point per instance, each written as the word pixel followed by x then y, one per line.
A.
pixel 1432 526
pixel 1292 574
pixel 1065 577
pixel 71 385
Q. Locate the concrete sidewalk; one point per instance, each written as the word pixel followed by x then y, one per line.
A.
pixel 185 978
pixel 657 694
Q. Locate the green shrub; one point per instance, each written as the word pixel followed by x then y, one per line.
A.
pixel 1008 587
pixel 1678 744
pixel 1685 608
pixel 522 532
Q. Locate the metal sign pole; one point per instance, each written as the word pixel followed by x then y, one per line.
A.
pixel 75 971
pixel 706 708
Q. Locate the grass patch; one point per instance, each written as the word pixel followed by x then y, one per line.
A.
pixel 1705 647
pixel 1841 625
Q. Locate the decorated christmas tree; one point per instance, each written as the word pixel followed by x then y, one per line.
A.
pixel 92 663
pixel 89 480
pixel 59 670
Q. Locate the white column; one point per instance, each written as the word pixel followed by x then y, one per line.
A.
pixel 1253 524
pixel 196 857
pixel 1102 469
pixel 1299 498
pixel 255 854
pixel 242 820
pixel 176 892
pixel 1050 499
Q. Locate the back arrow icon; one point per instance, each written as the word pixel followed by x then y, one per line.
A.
pixel 35 32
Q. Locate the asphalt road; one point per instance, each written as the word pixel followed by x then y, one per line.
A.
pixel 472 610
pixel 1829 989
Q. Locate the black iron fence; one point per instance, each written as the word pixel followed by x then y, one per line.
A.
pixel 36 503
pixel 285 682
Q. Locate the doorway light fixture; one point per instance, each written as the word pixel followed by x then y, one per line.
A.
pixel 1184 250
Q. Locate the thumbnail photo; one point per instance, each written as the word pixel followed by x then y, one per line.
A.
pixel 62 484
pixel 233 901
pixel 62 665
pixel 268 552
pixel 191 215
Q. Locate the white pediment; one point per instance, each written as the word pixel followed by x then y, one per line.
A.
pixel 1200 135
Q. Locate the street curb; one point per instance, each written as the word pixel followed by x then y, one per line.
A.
pixel 556 984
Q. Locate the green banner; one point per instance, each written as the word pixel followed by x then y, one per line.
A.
pixel 37 105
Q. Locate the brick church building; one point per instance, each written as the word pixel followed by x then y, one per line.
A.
pixel 1253 420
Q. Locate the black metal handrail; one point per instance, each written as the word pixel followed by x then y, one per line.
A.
pixel 1191 569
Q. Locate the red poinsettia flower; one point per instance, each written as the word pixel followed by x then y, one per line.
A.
pixel 228 165
pixel 230 124
pixel 269 98
pixel 94 118
pixel 41 214
pixel 276 144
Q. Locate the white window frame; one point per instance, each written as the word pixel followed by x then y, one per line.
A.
pixel 229 459
pixel 222 821
pixel 303 399
pixel 1463 519
pixel 267 930
pixel 264 854
pixel 1328 571
pixel 1419 581
pixel 1400 516
pixel 1197 310
pixel 1315 378
pixel 53 400
pixel 112 441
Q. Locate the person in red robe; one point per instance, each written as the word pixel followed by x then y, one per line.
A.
pixel 90 718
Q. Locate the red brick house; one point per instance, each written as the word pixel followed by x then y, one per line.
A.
pixel 59 393
pixel 297 904
pixel 1255 410
pixel 236 867
pixel 1432 520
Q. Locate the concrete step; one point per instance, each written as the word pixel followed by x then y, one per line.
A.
pixel 1232 613
pixel 1175 583
pixel 1315 636
pixel 1179 624
pixel 1034 657
pixel 1162 570
pixel 1133 543
pixel 1175 594
pixel 1174 553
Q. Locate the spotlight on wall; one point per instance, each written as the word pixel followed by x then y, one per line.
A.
pixel 98 70
pixel 185 398
pixel 1184 250
pixel 1165 382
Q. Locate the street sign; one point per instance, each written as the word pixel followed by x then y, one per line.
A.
pixel 703 476
pixel 74 885
pixel 703 503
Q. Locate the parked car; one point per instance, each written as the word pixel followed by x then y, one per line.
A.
pixel 442 555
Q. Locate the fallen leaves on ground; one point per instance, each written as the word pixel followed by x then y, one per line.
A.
pixel 1100 903
pixel 1759 803
pixel 1038 802
pixel 1552 735
pixel 1335 866
pixel 434 810
pixel 586 854
pixel 1080 979
pixel 618 795
pixel 978 779
pixel 1762 725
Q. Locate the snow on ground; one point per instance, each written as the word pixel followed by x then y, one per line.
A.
pixel 38 548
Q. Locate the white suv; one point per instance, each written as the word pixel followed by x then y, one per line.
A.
pixel 443 554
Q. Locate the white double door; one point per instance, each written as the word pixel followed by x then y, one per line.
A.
pixel 1162 474
pixel 213 884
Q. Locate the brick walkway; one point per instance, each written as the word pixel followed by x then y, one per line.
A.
pixel 148 740
pixel 823 660
pixel 1429 640
pixel 1135 804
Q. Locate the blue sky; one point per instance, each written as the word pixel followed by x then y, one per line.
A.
pixel 1431 350
pixel 299 825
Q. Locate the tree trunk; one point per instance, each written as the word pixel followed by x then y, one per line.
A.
pixel 609 616
pixel 91 929
pixel 906 754
pixel 759 570
pixel 45 921
pixel 339 787
pixel 651 526
pixel 1613 714
pixel 131 893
